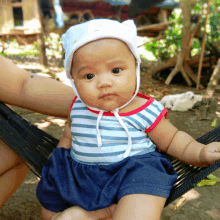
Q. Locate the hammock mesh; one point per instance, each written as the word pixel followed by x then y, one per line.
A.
pixel 30 143
pixel 34 146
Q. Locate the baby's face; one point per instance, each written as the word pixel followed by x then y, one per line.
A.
pixel 104 73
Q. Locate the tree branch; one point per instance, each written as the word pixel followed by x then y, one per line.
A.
pixel 203 47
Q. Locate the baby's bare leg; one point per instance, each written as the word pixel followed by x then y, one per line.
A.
pixel 77 213
pixel 139 206
pixel 12 172
pixel 48 215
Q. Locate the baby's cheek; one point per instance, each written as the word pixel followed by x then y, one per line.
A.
pixel 125 80
pixel 120 81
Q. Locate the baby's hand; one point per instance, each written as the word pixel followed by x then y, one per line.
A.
pixel 210 153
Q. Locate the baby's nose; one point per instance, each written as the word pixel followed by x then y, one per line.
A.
pixel 104 81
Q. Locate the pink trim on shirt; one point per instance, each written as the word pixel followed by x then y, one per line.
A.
pixel 135 111
pixel 163 113
pixel 73 103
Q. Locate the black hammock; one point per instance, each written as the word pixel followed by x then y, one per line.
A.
pixel 34 146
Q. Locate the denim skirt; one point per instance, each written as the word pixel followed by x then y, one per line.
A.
pixel 66 182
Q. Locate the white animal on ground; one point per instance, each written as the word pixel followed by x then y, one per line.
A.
pixel 180 102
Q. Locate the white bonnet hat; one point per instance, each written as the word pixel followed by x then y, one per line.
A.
pixel 78 35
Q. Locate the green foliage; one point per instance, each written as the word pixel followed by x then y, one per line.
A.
pixel 214 20
pixel 171 44
pixel 3 54
pixel 143 57
pixel 52 42
pixel 196 47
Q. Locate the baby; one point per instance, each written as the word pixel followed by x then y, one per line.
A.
pixel 108 153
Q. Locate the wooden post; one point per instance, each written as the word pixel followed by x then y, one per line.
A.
pixel 3 43
pixel 40 39
pixel 203 46
pixel 118 12
pixel 42 49
pixel 213 81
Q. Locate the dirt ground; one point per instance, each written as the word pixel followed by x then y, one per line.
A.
pixel 202 203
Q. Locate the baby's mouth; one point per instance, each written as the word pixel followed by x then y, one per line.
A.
pixel 108 96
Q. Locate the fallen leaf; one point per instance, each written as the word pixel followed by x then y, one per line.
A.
pixel 179 203
pixel 210 176
pixel 214 122
pixel 210 181
pixel 206 183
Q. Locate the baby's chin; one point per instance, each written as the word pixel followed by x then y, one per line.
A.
pixel 105 108
pixel 109 106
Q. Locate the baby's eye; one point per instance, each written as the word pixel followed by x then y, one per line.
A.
pixel 89 76
pixel 116 70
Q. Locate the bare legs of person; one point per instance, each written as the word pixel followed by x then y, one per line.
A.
pixel 139 207
pixel 12 172
pixel 77 213
pixel 130 207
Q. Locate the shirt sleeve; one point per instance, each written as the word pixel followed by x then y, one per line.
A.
pixel 72 104
pixel 152 115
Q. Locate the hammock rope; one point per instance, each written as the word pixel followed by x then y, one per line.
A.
pixel 34 146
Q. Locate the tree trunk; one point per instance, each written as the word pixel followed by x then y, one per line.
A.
pixel 40 40
pixel 203 47
pixel 179 68
pixel 42 49
pixel 187 7
pixel 213 81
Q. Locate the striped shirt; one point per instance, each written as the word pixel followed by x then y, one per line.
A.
pixel 114 138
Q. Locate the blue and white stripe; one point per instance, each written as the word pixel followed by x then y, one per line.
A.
pixel 114 138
